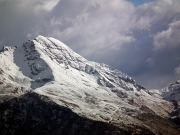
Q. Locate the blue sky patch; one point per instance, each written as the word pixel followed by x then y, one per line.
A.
pixel 139 2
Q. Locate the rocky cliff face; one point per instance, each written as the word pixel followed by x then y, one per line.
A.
pixel 46 88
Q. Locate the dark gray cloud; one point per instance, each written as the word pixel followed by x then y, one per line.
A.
pixel 141 41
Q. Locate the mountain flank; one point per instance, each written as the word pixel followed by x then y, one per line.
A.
pixel 47 88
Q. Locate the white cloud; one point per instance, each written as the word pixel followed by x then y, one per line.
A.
pixel 148 16
pixel 109 24
pixel 101 24
pixel 45 5
pixel 37 7
pixel 168 38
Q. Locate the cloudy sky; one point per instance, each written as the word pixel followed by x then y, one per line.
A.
pixel 139 37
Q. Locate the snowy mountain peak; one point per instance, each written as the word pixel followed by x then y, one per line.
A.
pixel 173 92
pixel 48 67
pixel 170 93
pixel 175 86
pixel 54 54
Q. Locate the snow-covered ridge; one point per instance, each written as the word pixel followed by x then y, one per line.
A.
pixel 97 91
pixel 63 56
pixel 173 92
pixel 40 59
pixel 170 93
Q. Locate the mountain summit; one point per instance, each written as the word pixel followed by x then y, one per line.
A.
pixel 47 88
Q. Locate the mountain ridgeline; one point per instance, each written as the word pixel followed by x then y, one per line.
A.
pixel 47 88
